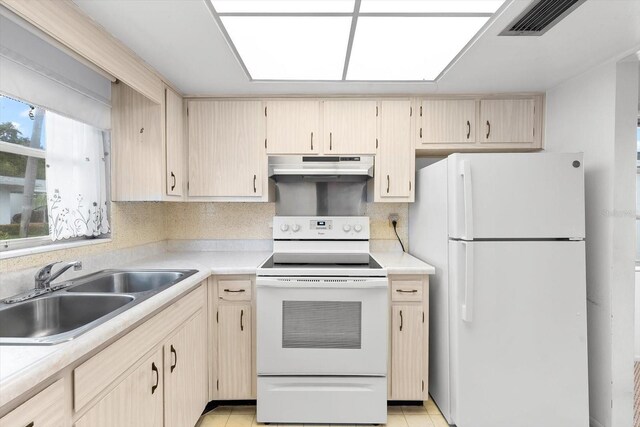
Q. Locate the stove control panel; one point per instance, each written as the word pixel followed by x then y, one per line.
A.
pixel 321 228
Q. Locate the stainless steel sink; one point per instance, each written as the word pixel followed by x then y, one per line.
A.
pixel 81 305
pixel 126 282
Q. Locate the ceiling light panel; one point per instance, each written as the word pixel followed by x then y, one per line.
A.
pixel 290 48
pixel 408 48
pixel 283 6
pixel 430 6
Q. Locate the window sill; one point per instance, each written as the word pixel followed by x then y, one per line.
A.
pixel 52 247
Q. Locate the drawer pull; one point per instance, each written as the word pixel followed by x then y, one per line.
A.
pixel 241 316
pixel 31 424
pixel 175 355
pixel 412 291
pixel 231 290
pixel 401 321
pixel 154 370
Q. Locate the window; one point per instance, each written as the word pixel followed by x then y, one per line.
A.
pixel 55 116
pixel 52 177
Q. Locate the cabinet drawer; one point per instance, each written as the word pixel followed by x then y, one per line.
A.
pixel 406 290
pixel 234 290
pixel 45 409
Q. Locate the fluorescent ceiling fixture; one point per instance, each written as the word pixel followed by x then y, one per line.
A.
pixel 430 6
pixel 408 48
pixel 290 48
pixel 283 6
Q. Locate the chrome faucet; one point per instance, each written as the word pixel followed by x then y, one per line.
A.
pixel 44 276
pixel 43 282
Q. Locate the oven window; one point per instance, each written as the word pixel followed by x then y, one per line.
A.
pixel 322 324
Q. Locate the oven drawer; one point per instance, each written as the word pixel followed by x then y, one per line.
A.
pixel 234 290
pixel 406 290
pixel 326 400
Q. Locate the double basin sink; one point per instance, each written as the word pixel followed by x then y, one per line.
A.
pixel 81 305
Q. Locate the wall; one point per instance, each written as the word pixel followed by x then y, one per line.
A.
pixel 595 113
pixel 253 220
pixel 133 224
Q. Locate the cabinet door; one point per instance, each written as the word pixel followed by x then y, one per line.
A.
pixel 226 148
pixel 185 373
pixel 293 127
pixel 174 123
pixel 349 127
pixel 407 347
pixel 136 402
pixel 45 409
pixel 137 148
pixel 507 120
pixel 234 351
pixel 447 121
pixel 395 156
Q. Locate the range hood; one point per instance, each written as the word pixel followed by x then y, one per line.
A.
pixel 323 167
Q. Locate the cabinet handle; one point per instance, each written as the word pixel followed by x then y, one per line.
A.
pixel 255 190
pixel 141 130
pixel 420 132
pixel 401 321
pixel 468 129
pixel 330 141
pixel 488 129
pixel 173 176
pixel 175 355
pixel 154 370
pixel 312 140
pixel 231 290
pixel 31 424
pixel 412 291
pixel 241 316
pixel 376 142
pixel 388 183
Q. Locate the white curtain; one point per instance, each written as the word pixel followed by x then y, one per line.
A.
pixel 76 179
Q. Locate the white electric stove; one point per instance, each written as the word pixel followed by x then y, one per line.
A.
pixel 322 325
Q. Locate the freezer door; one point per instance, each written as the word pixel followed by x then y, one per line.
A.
pixel 519 334
pixel 516 196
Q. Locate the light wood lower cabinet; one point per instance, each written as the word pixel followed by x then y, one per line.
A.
pixel 45 409
pixel 232 338
pixel 136 402
pixel 409 338
pixel 185 379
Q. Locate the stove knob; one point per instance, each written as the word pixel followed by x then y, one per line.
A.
pixel 284 227
pixel 357 228
pixel 346 228
pixel 295 228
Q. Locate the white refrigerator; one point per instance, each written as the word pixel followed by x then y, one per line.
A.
pixel 508 330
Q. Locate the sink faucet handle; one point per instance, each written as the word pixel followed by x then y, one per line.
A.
pixel 44 276
pixel 45 271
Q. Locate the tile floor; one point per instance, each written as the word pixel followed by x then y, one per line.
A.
pixel 399 416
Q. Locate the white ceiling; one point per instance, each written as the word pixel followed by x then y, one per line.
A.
pixel 182 41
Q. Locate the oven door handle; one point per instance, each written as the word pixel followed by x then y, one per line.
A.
pixel 305 286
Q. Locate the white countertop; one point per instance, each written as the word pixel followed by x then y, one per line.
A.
pixel 25 367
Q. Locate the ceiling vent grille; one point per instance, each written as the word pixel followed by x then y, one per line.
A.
pixel 540 16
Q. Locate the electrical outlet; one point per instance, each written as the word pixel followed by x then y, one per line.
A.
pixel 393 217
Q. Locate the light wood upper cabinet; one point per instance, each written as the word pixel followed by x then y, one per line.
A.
pixel 350 126
pixel 136 401
pixel 234 351
pixel 185 373
pixel 447 121
pixel 293 127
pixel 507 121
pixel 174 133
pixel 137 146
pixel 45 409
pixel 395 159
pixel 226 148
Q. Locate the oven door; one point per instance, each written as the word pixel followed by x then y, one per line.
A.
pixel 322 326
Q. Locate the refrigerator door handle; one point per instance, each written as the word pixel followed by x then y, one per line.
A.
pixel 467 304
pixel 465 173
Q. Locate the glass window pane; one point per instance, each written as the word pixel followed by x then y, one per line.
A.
pixel 408 48
pixel 283 6
pixel 291 48
pixel 22 179
pixel 19 120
